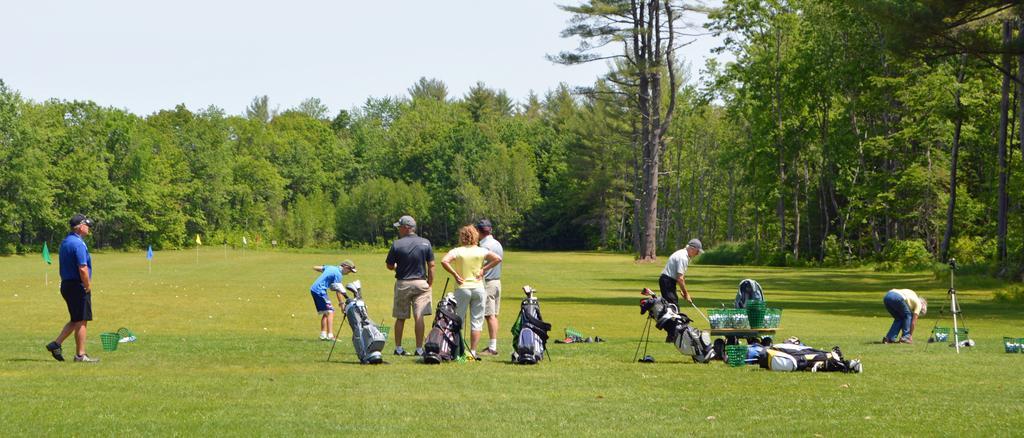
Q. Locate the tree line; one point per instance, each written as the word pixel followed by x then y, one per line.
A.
pixel 837 136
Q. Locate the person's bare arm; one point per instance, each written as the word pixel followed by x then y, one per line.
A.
pixel 430 273
pixel 913 324
pixel 392 266
pixel 681 281
pixel 83 272
pixel 446 263
pixel 318 268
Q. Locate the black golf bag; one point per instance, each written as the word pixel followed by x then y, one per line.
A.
pixel 444 342
pixel 688 340
pixel 749 290
pixel 366 336
pixel 530 332
pixel 798 357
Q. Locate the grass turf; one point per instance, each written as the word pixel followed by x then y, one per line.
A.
pixel 228 346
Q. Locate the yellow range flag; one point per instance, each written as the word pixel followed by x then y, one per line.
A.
pixel 198 240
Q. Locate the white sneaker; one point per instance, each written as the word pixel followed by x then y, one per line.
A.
pixel 324 337
pixel 85 358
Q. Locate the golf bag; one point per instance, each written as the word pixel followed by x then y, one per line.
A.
pixel 749 290
pixel 690 341
pixel 530 332
pixel 444 342
pixel 366 336
pixel 798 357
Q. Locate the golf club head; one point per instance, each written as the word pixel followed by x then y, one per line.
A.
pixel 529 291
pixel 647 292
pixel 646 359
pixel 356 287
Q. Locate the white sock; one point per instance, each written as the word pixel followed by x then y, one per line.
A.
pixel 494 344
pixel 323 333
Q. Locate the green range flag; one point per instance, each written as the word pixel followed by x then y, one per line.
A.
pixel 46 254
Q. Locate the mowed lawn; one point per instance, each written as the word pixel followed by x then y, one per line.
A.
pixel 228 346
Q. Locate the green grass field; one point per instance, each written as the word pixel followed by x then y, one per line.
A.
pixel 228 346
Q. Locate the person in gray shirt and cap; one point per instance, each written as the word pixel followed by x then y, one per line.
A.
pixel 675 272
pixel 412 259
pixel 492 284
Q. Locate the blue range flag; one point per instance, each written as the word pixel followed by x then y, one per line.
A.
pixel 149 252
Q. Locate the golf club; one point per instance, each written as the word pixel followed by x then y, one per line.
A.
pixel 701 313
pixel 340 290
pixel 343 316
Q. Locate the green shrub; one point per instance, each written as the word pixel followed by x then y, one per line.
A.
pixel 904 256
pixel 728 253
pixel 976 250
pixel 835 253
pixel 1013 294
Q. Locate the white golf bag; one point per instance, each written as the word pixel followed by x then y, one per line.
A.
pixel 366 336
pixel 787 357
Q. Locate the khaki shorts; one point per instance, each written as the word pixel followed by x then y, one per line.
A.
pixel 414 294
pixel 493 303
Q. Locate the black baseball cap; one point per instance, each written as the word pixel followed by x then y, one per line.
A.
pixel 79 219
pixel 483 223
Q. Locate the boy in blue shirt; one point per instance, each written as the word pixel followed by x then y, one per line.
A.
pixel 329 275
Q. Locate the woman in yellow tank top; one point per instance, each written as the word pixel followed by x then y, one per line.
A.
pixel 467 265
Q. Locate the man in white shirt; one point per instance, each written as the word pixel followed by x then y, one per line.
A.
pixel 675 272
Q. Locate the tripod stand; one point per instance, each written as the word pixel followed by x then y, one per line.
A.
pixel 954 307
pixel 645 338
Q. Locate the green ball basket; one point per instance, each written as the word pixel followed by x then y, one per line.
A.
pixel 755 313
pixel 736 355
pixel 124 332
pixel 109 341
pixel 384 330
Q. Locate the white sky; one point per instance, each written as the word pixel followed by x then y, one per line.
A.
pixel 147 55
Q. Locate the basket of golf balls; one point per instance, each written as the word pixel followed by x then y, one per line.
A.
pixel 384 330
pixel 772 318
pixel 942 334
pixel 1013 345
pixel 728 318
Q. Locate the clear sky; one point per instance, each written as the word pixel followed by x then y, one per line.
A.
pixel 150 55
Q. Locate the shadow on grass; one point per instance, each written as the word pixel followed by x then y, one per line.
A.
pixel 23 359
pixel 840 305
pixel 805 281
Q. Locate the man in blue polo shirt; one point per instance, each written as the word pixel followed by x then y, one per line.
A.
pixel 76 288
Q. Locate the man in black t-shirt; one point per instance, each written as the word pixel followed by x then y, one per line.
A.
pixel 412 259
